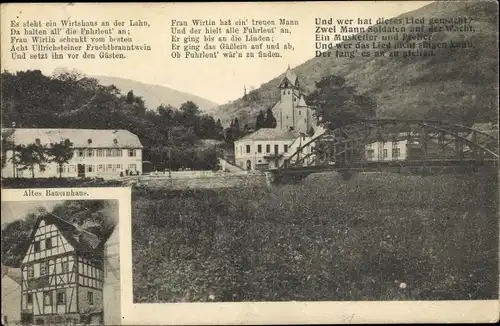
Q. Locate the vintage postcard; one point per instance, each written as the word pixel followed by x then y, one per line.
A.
pixel 286 162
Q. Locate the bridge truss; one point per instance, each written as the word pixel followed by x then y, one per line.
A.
pixel 426 142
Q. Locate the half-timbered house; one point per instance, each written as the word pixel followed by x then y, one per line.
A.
pixel 62 274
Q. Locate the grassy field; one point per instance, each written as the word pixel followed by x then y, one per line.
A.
pixel 373 237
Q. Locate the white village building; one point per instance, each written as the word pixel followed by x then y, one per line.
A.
pixel 97 153
pixel 11 295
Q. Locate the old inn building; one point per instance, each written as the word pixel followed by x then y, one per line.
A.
pixel 62 274
pixel 97 153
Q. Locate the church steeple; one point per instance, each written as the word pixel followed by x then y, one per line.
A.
pixel 290 80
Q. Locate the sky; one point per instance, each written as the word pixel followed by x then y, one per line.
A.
pixel 219 80
pixel 16 210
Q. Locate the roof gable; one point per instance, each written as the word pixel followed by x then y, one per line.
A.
pixel 11 272
pixel 83 242
pixel 291 78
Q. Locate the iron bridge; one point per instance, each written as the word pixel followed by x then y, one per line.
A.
pixel 393 145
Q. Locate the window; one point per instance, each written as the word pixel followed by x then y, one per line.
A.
pixel 31 271
pixel 81 153
pixel 90 297
pixel 37 141
pixel 89 141
pixel 90 168
pixel 100 153
pixel 61 297
pixel 276 149
pixel 396 153
pixel 65 266
pixel 131 152
pixel 29 298
pixel 115 141
pixel 300 112
pixel 47 298
pixel 109 152
pixel 44 268
pixel 268 148
pixel 48 243
pixel 369 154
pixel 286 117
pixel 132 167
pixel 36 246
pixel 259 148
pixel 385 153
pixel 110 167
pixel 248 148
pixel 100 168
pixel 285 148
pixel 90 152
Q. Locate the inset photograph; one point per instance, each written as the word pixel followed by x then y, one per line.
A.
pixel 60 262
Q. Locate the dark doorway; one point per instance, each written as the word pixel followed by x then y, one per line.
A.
pixel 81 170
pixel 249 165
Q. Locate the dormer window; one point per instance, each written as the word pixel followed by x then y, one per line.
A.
pixel 89 141
pixel 115 141
pixel 37 141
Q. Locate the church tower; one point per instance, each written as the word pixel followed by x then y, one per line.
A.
pixel 289 95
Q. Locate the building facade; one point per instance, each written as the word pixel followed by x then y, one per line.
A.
pixel 11 295
pixel 386 151
pixel 96 153
pixel 62 275
pixel 268 148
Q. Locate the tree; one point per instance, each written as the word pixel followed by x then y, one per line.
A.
pixel 310 132
pixel 236 124
pixel 270 121
pixel 261 120
pixel 29 156
pixel 130 97
pixel 337 104
pixel 61 153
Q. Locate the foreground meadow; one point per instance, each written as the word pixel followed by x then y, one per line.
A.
pixel 373 237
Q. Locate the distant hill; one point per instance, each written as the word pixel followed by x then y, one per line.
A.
pixel 454 84
pixel 155 95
